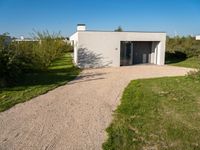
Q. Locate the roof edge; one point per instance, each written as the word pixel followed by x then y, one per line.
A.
pixel 118 31
pixel 123 31
pixel 126 31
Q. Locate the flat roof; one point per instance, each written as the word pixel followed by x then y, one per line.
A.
pixel 124 31
pixel 120 31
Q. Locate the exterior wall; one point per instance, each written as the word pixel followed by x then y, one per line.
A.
pixel 161 53
pixel 105 46
pixel 74 42
pixel 153 53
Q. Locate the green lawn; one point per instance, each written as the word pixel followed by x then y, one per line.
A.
pixel 193 62
pixel 60 72
pixel 161 113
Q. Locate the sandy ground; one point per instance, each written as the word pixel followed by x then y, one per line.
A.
pixel 75 115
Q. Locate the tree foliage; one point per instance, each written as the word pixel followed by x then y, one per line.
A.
pixel 119 29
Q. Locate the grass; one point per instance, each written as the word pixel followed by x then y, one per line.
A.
pixel 193 62
pixel 162 113
pixel 59 73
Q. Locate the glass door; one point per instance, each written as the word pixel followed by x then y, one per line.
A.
pixel 126 53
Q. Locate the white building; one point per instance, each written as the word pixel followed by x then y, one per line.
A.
pixel 109 48
pixel 23 39
pixel 198 37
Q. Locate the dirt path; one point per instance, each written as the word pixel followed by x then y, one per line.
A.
pixel 73 116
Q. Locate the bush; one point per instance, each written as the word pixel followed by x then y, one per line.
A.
pixel 49 47
pixel 187 45
pixel 26 54
pixel 21 57
pixel 10 67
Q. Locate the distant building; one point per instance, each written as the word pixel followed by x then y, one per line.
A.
pixel 198 37
pixel 22 38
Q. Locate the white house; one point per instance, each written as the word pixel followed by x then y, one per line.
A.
pixel 198 37
pixel 109 48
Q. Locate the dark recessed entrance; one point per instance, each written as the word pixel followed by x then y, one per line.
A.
pixel 135 53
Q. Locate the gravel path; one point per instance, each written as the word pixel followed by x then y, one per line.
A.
pixel 75 115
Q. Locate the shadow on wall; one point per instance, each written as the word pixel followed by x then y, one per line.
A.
pixel 89 59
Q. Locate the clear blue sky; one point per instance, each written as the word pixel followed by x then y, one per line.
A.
pixel 20 17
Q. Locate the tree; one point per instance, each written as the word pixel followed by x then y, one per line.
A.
pixel 119 29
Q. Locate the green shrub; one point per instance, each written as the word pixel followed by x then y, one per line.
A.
pixel 10 67
pixel 21 57
pixel 49 47
pixel 187 45
pixel 26 54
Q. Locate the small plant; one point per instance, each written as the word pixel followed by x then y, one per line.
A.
pixel 196 73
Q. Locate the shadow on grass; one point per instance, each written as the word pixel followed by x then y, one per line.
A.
pixel 59 73
pixel 51 77
pixel 36 83
pixel 174 57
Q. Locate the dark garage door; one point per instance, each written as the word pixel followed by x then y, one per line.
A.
pixel 141 52
pixel 134 52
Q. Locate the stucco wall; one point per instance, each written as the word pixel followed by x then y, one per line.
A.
pixel 105 46
pixel 74 42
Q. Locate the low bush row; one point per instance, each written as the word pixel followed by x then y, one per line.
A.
pixel 21 57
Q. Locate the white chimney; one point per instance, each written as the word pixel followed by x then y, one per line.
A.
pixel 81 27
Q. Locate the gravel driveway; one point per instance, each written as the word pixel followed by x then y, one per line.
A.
pixel 73 116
